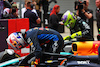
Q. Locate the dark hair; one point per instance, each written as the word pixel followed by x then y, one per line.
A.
pixel 28 4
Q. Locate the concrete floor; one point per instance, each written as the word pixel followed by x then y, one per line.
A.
pixel 67 31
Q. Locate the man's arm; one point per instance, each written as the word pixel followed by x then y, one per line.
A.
pixel 79 33
pixel 88 15
pixel 38 20
pixel 85 30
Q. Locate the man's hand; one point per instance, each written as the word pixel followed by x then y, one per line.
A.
pixel 88 15
pixel 61 23
pixel 76 34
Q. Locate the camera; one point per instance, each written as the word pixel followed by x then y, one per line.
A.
pixel 79 4
pixel 10 0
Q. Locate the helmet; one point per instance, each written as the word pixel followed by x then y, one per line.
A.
pixel 16 41
pixel 69 19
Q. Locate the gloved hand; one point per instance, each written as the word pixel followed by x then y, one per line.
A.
pixel 73 35
pixel 76 34
pixel 67 38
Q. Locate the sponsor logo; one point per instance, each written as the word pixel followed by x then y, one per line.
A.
pixel 55 46
pixel 83 62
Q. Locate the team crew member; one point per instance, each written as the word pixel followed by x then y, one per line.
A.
pixel 42 39
pixel 34 20
pixel 53 20
pixel 77 26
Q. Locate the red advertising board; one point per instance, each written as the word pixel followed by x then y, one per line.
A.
pixel 15 25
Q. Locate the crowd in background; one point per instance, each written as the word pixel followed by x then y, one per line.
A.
pixel 10 10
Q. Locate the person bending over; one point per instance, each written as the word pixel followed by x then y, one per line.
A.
pixel 41 39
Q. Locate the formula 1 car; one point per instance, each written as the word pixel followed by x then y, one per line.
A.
pixel 82 48
pixel 68 60
pixel 8 59
pixel 86 59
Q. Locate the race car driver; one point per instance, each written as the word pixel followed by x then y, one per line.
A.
pixel 78 27
pixel 42 39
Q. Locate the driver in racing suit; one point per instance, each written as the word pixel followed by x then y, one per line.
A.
pixel 41 39
pixel 78 27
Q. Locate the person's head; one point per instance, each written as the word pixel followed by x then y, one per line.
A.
pixel 26 1
pixel 69 19
pixel 87 4
pixel 97 3
pixel 30 5
pixel 16 41
pixel 55 10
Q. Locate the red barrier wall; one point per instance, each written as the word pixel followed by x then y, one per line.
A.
pixel 11 26
pixel 15 25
